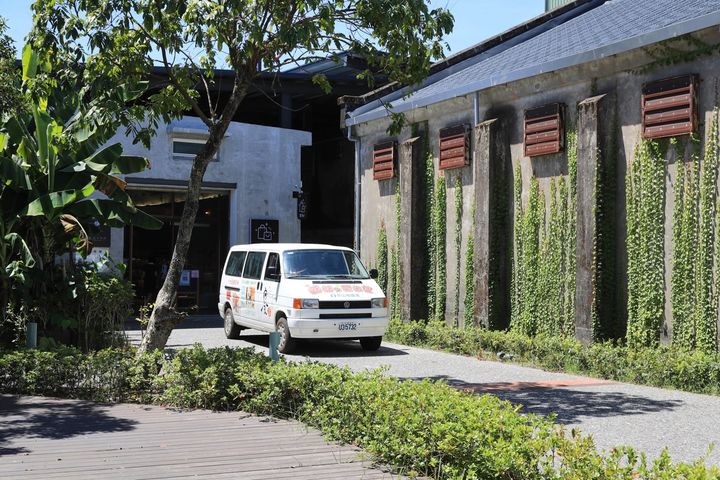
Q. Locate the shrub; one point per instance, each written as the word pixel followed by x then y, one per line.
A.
pixel 664 366
pixel 425 428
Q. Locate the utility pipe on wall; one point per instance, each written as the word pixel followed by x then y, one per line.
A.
pixel 476 109
pixel 358 191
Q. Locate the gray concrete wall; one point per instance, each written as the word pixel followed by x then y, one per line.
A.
pixel 263 162
pixel 620 75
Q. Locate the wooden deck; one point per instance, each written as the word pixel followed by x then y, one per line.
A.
pixel 53 438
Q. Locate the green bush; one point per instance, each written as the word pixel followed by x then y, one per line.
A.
pixel 663 366
pixel 423 428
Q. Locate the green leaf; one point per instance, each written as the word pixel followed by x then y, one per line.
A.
pixel 130 164
pixel 112 213
pixel 18 247
pixel 49 204
pixel 29 63
pixel 102 160
pixel 13 175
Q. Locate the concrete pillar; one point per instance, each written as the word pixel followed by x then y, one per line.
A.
pixel 594 119
pixel 412 229
pixel 493 232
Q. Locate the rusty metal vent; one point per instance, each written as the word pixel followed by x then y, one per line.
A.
pixel 454 147
pixel 544 131
pixel 384 160
pixel 669 107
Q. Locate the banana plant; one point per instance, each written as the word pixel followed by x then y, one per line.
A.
pixel 56 172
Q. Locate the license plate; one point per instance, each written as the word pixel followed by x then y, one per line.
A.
pixel 347 326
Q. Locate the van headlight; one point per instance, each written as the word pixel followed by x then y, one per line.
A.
pixel 299 303
pixel 378 302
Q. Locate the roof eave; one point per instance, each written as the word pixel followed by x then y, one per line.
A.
pixel 369 113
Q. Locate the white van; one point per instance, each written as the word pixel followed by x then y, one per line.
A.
pixel 302 291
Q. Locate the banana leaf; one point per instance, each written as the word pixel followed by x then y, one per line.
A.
pixel 114 214
pixel 49 204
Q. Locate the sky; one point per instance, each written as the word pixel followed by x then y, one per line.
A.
pixel 475 20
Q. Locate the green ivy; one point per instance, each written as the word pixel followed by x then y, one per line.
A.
pixel 439 234
pixel 543 280
pixel 382 258
pixel 645 190
pixel 430 238
pixel 568 192
pixel 528 277
pixel 395 306
pixel 518 266
pixel 469 302
pixel 705 298
pixel 458 244
pixel 684 246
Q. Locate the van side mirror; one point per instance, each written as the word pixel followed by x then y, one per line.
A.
pixel 373 273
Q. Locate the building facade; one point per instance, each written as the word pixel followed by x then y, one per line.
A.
pixel 247 197
pixel 535 182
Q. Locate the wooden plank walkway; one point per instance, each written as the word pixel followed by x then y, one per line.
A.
pixel 55 438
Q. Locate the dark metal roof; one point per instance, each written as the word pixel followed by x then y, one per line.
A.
pixel 588 31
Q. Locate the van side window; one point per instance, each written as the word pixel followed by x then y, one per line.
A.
pixel 235 264
pixel 272 270
pixel 254 265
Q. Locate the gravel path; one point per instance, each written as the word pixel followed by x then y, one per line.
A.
pixel 613 413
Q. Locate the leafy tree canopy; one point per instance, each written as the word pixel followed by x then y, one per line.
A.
pixel 103 44
pixel 115 41
pixel 10 100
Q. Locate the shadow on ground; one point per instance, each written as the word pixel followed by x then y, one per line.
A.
pixel 35 417
pixel 325 348
pixel 569 405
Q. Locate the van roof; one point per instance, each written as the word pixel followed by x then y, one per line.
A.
pixel 279 247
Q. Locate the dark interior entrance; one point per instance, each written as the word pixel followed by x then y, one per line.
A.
pixel 147 253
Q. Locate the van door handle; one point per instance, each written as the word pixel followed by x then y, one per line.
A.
pixel 259 285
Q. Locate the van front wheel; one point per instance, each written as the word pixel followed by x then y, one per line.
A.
pixel 232 329
pixel 287 343
pixel 370 344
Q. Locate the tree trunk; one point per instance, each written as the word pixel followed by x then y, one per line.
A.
pixel 164 317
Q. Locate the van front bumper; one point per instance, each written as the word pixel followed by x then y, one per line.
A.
pixel 337 328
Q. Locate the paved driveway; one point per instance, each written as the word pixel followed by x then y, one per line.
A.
pixel 613 413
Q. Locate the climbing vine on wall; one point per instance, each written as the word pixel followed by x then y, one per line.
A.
pixel 382 258
pixel 568 191
pixel 705 297
pixel 395 309
pixel 645 202
pixel 685 214
pixel 543 280
pixel 431 263
pixel 528 278
pixel 469 301
pixel 458 245
pixel 440 260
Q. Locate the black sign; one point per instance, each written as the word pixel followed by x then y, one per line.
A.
pixel 301 204
pixel 264 231
pixel 99 234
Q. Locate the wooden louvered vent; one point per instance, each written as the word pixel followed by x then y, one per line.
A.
pixel 669 107
pixel 384 160
pixel 454 147
pixel 544 131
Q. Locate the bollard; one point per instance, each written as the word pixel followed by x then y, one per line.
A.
pixel 32 335
pixel 274 342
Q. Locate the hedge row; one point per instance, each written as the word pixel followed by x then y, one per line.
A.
pixel 422 428
pixel 662 366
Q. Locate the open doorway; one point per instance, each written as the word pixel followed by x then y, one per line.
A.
pixel 147 253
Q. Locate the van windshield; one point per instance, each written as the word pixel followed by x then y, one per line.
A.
pixel 334 264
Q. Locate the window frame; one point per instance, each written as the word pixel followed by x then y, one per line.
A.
pixel 260 270
pixel 242 263
pixel 189 156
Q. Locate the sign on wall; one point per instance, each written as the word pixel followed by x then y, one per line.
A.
pixel 264 231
